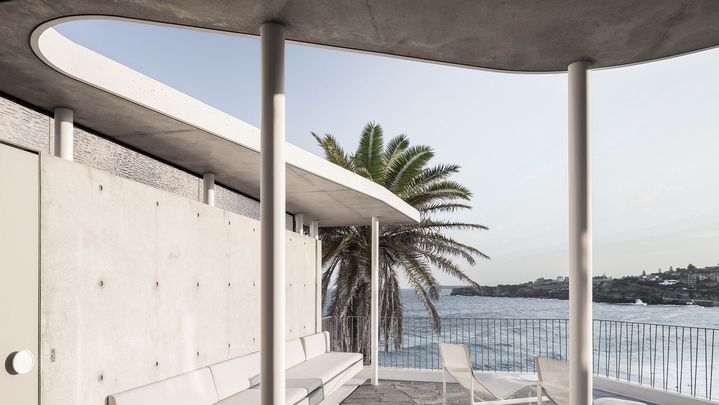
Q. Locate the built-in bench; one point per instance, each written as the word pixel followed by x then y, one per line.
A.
pixel 313 372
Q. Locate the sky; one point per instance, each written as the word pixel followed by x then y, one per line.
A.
pixel 655 139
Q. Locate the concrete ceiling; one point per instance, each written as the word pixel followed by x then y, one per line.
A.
pixel 521 35
pixel 525 36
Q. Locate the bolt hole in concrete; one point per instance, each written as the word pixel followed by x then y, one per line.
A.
pixel 157 203
pixel 198 353
pixel 198 215
pixel 157 363
pixel 100 187
pixel 101 283
pixel 100 377
pixel 229 284
pixel 157 283
pixel 198 283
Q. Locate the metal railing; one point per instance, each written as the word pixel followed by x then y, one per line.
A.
pixel 680 359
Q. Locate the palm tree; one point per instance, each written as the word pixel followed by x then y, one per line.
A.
pixel 412 250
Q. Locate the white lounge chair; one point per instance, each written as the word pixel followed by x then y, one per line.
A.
pixel 495 386
pixel 554 383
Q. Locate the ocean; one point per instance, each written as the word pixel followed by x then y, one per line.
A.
pixel 492 307
pixel 674 348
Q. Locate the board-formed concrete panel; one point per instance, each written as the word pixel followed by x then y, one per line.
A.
pixel 138 284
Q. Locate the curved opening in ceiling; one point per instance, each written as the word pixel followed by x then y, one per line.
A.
pixel 87 66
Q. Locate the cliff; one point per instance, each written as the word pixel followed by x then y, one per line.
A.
pixel 649 289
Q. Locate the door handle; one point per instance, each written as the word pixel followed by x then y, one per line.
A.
pixel 20 362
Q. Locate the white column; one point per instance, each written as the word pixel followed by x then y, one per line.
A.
pixel 315 233
pixel 315 229
pixel 272 215
pixel 300 223
pixel 64 128
pixel 374 303
pixel 208 186
pixel 580 237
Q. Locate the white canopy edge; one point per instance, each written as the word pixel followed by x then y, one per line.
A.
pixel 350 199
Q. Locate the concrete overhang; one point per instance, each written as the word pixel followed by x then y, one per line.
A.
pixel 216 142
pixel 517 36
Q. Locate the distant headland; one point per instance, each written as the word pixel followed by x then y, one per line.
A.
pixel 681 286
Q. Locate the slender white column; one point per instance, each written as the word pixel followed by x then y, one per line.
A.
pixel 300 224
pixel 580 237
pixel 208 186
pixel 315 229
pixel 272 215
pixel 315 233
pixel 374 303
pixel 64 128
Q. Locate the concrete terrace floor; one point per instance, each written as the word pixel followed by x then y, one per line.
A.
pixel 418 393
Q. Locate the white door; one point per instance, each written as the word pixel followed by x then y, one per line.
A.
pixel 19 278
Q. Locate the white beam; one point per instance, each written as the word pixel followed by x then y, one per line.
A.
pixel 64 128
pixel 580 236
pixel 374 303
pixel 300 224
pixel 208 189
pixel 272 215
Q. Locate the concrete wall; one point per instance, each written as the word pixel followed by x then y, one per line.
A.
pixel 28 128
pixel 138 284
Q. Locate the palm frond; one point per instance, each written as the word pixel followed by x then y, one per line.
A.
pixel 414 252
pixel 333 151
pixel 368 157
pixel 407 165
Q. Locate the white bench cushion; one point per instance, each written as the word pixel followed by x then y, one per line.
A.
pixel 615 401
pixel 307 384
pixel 252 397
pixel 235 375
pixel 294 353
pixel 325 366
pixel 193 388
pixel 315 344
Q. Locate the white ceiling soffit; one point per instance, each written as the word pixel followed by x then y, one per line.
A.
pixel 222 144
